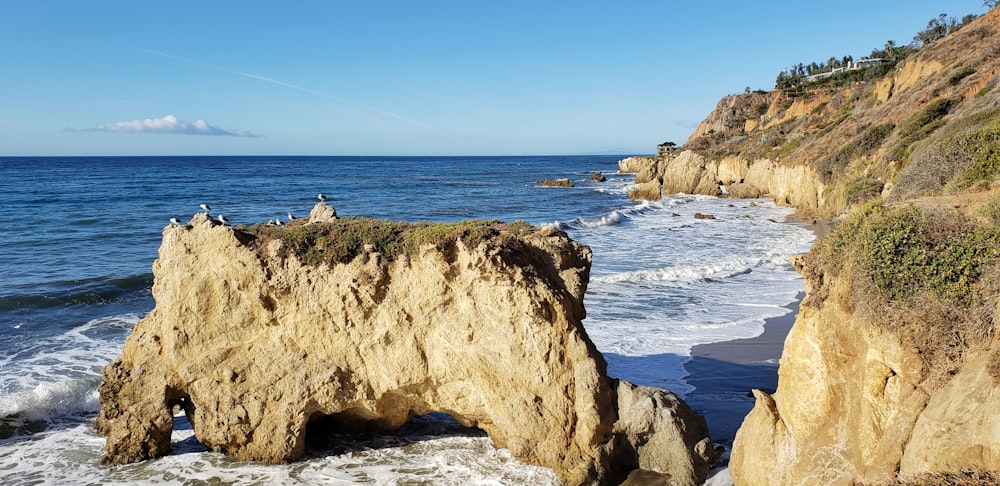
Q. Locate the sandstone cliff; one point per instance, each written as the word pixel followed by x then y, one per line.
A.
pixel 829 147
pixel 259 331
pixel 892 366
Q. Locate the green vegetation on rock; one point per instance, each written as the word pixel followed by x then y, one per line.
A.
pixel 930 276
pixel 906 251
pixel 861 146
pixel 966 154
pixel 344 239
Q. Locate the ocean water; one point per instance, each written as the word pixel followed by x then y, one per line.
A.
pixel 81 235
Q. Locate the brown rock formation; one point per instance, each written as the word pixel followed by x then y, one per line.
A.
pixel 254 343
pixel 556 183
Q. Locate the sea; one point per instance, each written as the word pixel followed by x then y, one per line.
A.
pixel 80 235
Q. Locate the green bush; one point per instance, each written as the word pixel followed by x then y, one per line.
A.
pixel 963 156
pixel 860 146
pixel 922 124
pixel 344 239
pixel 904 252
pixel 991 211
pixel 963 73
pixel 863 189
pixel 984 147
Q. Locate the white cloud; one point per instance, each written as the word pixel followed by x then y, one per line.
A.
pixel 167 124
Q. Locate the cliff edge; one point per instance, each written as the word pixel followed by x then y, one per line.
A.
pixel 259 331
pixel 891 372
pixel 892 367
pixel 923 126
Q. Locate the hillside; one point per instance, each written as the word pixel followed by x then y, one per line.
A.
pixel 891 373
pixel 927 128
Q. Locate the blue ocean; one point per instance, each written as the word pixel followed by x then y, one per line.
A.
pixel 81 233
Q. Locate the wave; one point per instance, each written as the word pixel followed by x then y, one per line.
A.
pixel 614 218
pixel 688 273
pixel 80 292
pixel 50 401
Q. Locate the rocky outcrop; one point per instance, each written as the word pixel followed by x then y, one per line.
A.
pixel 257 333
pixel 636 164
pixel 692 173
pixel 556 183
pixel 732 113
pixel 847 398
pixel 873 388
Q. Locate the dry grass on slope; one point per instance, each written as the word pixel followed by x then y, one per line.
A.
pixel 927 273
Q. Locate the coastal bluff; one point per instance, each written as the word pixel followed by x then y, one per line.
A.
pixel 260 332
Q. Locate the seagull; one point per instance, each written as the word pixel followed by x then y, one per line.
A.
pixel 291 217
pixel 222 219
pixel 206 207
pixel 278 222
pixel 321 197
pixel 175 221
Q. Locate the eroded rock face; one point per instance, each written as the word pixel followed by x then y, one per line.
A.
pixel 254 344
pixel 858 404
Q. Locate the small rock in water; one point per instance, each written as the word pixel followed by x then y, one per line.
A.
pixel 556 183
pixel 703 216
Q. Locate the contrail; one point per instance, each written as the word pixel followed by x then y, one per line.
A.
pixel 296 87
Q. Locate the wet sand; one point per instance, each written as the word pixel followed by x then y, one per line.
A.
pixel 724 373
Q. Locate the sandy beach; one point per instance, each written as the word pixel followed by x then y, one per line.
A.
pixel 724 373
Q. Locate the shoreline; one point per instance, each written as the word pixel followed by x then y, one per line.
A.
pixel 724 373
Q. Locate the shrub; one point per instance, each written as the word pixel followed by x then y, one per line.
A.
pixel 983 146
pixel 991 211
pixel 344 239
pixel 863 189
pixel 929 276
pixel 860 146
pixel 924 123
pixel 904 252
pixel 963 73
pixel 964 156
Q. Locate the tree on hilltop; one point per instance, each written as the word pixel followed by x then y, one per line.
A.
pixel 890 48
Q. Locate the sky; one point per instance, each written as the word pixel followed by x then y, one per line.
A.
pixel 405 77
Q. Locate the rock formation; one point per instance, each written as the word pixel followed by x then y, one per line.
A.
pixel 259 331
pixel 859 400
pixel 556 183
pixel 872 388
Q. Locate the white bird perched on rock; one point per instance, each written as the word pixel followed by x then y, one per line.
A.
pixel 175 221
pixel 222 219
pixel 291 217
pixel 278 222
pixel 321 197
pixel 206 207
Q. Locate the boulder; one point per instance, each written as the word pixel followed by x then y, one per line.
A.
pixel 556 183
pixel 258 332
pixel 649 191
pixel 321 213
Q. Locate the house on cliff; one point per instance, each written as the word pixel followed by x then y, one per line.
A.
pixel 853 66
pixel 666 148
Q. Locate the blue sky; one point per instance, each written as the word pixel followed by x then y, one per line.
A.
pixel 405 77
